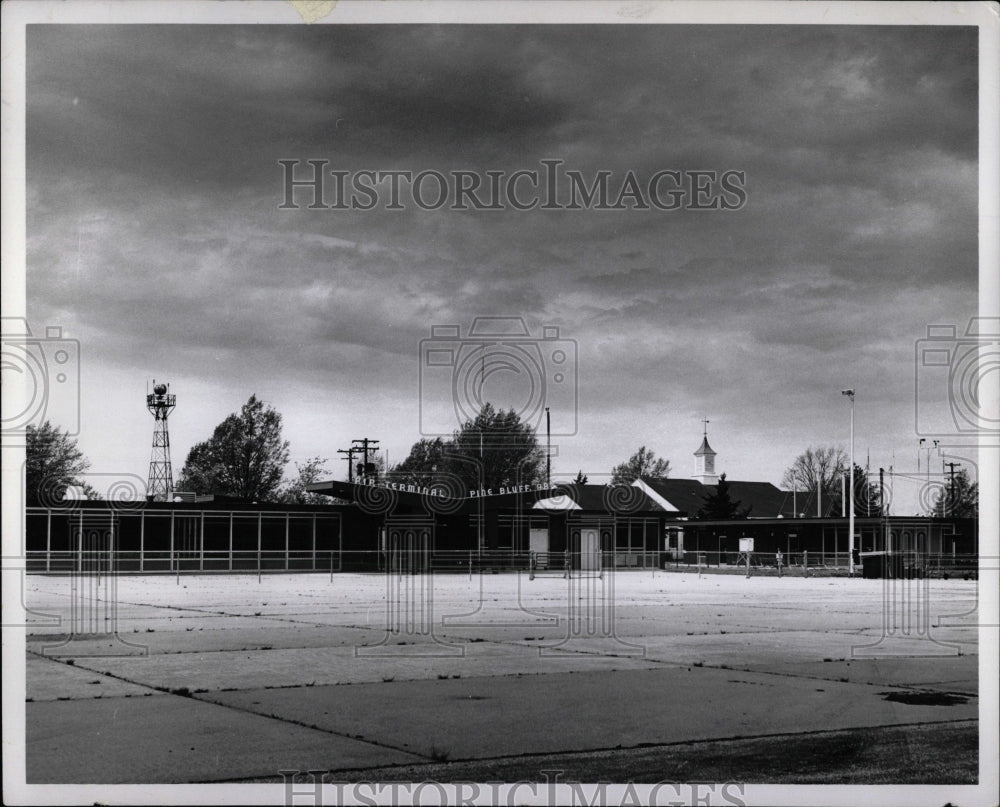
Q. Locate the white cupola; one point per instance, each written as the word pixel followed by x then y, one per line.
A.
pixel 704 461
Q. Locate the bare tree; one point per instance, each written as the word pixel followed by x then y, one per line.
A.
pixel 818 468
pixel 311 471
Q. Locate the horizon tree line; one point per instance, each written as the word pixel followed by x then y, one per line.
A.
pixel 246 456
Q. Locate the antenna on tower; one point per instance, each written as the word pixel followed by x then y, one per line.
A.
pixel 160 485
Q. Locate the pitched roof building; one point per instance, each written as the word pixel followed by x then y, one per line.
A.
pixel 685 497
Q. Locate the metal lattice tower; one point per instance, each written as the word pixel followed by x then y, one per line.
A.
pixel 160 486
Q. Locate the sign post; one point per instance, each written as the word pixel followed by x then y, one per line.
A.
pixel 746 552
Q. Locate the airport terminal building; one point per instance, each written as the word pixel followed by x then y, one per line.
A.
pixel 382 523
pixel 587 527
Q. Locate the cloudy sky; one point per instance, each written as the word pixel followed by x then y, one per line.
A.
pixel 155 238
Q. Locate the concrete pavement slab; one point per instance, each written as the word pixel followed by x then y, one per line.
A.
pixel 484 717
pixel 319 666
pixel 196 640
pixel 177 739
pixel 49 680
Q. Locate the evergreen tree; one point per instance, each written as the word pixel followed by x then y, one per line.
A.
pixel 867 496
pixel 719 506
pixel 960 500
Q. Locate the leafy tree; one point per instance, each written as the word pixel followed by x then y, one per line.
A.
pixel 643 464
pixel 201 472
pixel 498 449
pixel 53 462
pixel 425 460
pixel 818 468
pixel 311 471
pixel 495 449
pixel 719 506
pixel 581 478
pixel 962 501
pixel 245 456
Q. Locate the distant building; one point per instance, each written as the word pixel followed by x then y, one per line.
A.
pixel 390 525
pixel 685 497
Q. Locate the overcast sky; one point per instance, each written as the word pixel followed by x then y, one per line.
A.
pixel 155 235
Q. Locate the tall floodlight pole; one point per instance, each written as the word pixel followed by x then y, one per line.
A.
pixel 548 449
pixel 850 522
pixel 160 485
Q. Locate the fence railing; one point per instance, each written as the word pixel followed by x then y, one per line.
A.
pixel 793 560
pixel 105 561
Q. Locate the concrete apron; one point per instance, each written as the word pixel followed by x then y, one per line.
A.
pixel 487 717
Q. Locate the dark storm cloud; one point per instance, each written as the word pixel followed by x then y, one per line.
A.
pixel 153 186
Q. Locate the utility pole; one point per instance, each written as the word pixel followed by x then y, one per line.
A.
pixel 364 445
pixel 884 519
pixel 927 457
pixel 350 461
pixel 868 487
pixel 850 528
pixel 951 498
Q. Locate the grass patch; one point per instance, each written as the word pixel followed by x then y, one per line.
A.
pixel 925 698
pixel 940 754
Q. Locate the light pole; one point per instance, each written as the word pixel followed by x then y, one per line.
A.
pixel 850 522
pixel 548 449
